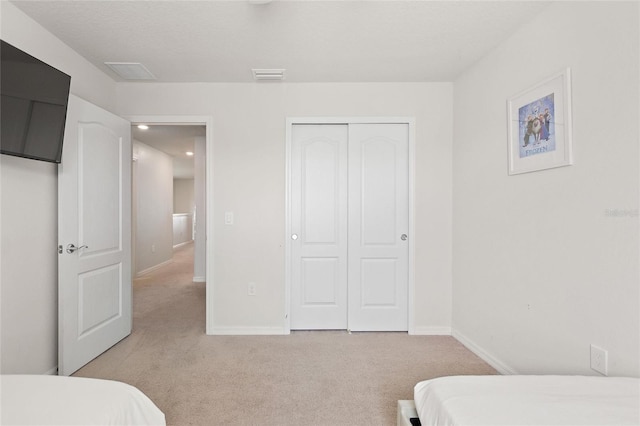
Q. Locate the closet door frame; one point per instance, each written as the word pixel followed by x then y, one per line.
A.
pixel 290 122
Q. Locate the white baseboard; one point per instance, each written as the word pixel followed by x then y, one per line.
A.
pixel 199 279
pixel 431 331
pixel 52 372
pixel 484 354
pixel 153 268
pixel 248 331
pixel 182 244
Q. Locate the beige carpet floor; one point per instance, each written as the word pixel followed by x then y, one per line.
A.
pixel 306 378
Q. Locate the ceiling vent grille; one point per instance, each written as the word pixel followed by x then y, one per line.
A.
pixel 268 74
pixel 131 70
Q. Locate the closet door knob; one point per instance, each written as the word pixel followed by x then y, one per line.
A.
pixel 294 236
pixel 403 237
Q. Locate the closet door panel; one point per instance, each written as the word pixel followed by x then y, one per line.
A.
pixel 378 227
pixel 319 227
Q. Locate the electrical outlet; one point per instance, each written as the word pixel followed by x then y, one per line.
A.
pixel 153 248
pixel 599 360
pixel 228 218
pixel 252 289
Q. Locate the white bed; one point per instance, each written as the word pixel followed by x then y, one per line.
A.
pixel 532 400
pixel 56 400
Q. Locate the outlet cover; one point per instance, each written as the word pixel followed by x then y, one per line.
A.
pixel 228 218
pixel 599 360
pixel 252 289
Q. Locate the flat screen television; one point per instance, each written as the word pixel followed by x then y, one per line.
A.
pixel 33 108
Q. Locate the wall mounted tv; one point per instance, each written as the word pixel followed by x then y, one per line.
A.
pixel 33 108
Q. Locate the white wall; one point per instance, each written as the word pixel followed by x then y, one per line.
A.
pixel 29 266
pixel 249 176
pixel 29 272
pixel 183 198
pixel 200 217
pixel 154 223
pixel 182 228
pixel 541 270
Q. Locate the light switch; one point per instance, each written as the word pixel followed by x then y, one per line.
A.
pixel 228 218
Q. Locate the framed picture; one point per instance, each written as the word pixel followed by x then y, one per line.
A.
pixel 540 126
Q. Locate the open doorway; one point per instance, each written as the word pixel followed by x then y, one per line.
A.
pixel 168 194
pixel 169 189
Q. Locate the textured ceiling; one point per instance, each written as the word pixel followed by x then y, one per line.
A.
pixel 315 41
pixel 173 140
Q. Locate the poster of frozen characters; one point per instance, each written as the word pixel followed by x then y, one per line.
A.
pixel 537 133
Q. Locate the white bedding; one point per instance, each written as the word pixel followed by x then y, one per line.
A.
pixel 533 400
pixel 56 400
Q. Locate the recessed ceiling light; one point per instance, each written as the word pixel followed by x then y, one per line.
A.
pixel 268 74
pixel 131 70
pixel 143 127
pixel 189 153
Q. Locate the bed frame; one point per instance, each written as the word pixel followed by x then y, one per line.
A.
pixel 406 411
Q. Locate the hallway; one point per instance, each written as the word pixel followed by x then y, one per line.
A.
pixel 170 288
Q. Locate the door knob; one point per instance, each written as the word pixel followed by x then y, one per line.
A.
pixel 72 248
pixel 403 237
pixel 294 236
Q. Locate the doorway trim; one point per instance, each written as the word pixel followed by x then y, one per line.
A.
pixel 290 122
pixel 207 121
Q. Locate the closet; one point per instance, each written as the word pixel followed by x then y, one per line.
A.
pixel 349 226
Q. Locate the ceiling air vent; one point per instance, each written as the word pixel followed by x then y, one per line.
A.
pixel 131 70
pixel 268 75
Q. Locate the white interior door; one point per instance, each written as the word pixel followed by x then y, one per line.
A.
pixel 378 227
pixel 94 216
pixel 350 226
pixel 319 227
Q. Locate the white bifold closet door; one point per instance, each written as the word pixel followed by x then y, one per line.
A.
pixel 349 219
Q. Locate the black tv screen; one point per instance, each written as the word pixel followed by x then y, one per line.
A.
pixel 33 108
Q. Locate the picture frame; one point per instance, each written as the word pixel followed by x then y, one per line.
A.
pixel 539 126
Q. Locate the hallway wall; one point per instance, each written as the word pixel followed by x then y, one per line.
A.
pixel 154 224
